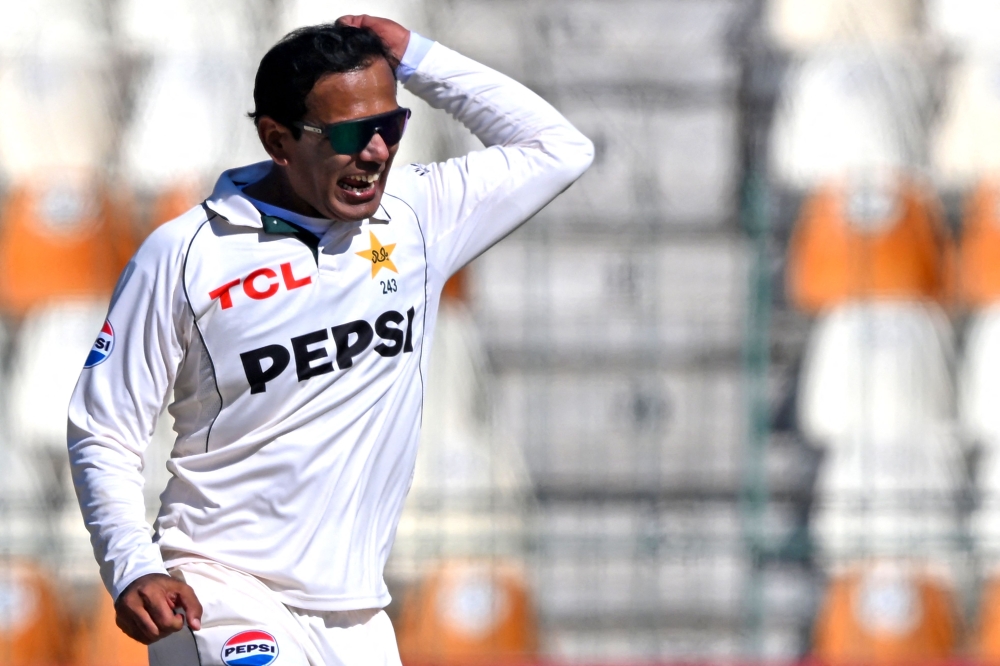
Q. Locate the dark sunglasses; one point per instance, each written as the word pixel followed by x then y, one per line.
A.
pixel 351 136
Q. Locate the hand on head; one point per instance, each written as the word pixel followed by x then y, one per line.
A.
pixel 393 35
pixel 147 609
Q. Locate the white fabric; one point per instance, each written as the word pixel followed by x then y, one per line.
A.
pixel 301 482
pixel 811 23
pixel 235 602
pixel 849 110
pixel 876 369
pixel 965 145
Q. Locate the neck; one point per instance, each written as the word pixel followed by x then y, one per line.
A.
pixel 275 189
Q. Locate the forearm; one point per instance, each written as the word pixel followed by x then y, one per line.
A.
pixel 109 484
pixel 494 107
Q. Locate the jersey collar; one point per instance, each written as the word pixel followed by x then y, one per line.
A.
pixel 227 198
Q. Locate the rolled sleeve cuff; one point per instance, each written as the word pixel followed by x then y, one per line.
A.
pixel 148 562
pixel 415 52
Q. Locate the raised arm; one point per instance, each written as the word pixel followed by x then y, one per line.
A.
pixel 533 153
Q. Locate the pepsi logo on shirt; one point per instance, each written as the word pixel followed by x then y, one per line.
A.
pixel 103 346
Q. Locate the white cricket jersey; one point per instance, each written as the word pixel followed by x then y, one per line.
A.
pixel 297 367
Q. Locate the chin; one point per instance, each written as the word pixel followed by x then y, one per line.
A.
pixel 355 212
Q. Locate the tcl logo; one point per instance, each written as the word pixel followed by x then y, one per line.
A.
pixel 259 285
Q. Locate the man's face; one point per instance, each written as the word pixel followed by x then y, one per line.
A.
pixel 340 186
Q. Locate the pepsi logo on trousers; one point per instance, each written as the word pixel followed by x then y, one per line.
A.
pixel 103 346
pixel 250 648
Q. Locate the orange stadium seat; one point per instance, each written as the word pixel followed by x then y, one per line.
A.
pixel 60 239
pixel 468 612
pixel 99 641
pixel 887 613
pixel 32 625
pixel 979 252
pixel 894 248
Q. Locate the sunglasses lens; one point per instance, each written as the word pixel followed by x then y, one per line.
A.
pixel 393 127
pixel 351 137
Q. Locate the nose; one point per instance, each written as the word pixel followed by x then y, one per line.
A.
pixel 376 150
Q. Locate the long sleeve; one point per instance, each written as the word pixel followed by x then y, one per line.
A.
pixel 533 153
pixel 120 394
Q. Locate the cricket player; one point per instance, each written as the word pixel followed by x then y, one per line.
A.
pixel 290 316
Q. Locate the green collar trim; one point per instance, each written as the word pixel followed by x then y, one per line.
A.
pixel 278 226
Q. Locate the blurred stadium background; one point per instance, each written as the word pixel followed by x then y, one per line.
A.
pixel 729 399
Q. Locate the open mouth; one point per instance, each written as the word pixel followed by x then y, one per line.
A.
pixel 359 184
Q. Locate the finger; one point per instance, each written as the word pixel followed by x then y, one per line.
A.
pixel 137 624
pixel 161 611
pixel 188 600
pixel 351 20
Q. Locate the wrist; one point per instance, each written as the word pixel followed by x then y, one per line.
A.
pixel 416 48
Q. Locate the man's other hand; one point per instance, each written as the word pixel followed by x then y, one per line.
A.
pixel 147 609
pixel 393 35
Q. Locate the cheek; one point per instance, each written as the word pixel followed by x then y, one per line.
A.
pixel 319 173
pixel 331 167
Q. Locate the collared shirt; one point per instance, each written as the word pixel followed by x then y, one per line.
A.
pixel 297 363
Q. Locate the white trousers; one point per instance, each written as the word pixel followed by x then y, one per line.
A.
pixel 244 624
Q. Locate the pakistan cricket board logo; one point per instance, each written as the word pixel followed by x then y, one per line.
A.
pixel 379 255
pixel 250 648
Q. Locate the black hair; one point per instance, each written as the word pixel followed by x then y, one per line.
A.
pixel 288 72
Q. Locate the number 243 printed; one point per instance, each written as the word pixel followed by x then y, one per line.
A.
pixel 388 286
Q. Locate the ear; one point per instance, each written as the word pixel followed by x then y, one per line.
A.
pixel 276 139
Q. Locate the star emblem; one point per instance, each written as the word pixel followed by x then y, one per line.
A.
pixel 379 255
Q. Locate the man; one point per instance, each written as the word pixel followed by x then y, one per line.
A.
pixel 290 316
